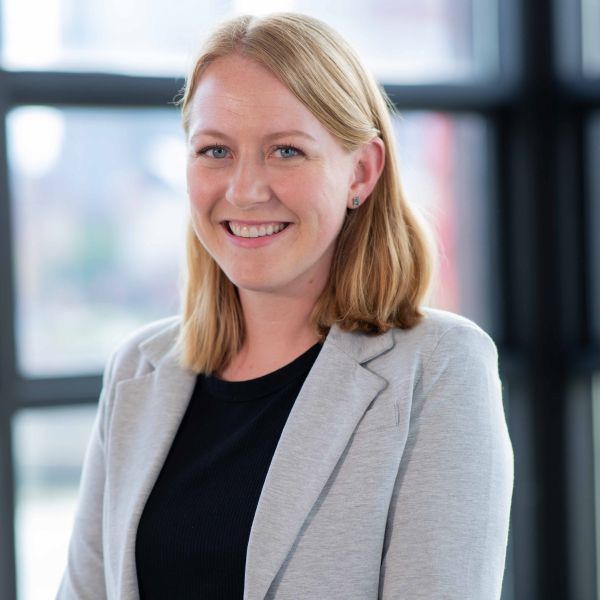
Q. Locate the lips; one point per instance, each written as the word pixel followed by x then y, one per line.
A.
pixel 255 230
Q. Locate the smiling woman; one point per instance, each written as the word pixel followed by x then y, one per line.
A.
pixel 270 164
pixel 306 428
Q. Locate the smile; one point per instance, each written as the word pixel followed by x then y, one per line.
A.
pixel 255 231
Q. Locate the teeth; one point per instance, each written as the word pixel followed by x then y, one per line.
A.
pixel 250 231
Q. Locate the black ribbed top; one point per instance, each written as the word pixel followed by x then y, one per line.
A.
pixel 193 533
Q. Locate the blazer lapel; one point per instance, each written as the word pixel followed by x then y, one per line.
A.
pixel 332 401
pixel 155 403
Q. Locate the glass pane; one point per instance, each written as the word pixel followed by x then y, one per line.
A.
pixel 99 219
pixel 443 163
pixel 590 37
pixel 593 221
pixel 402 40
pixel 140 36
pixel 49 445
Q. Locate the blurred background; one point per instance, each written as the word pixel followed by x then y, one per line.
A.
pixel 499 137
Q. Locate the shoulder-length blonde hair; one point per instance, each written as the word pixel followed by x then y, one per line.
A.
pixel 382 265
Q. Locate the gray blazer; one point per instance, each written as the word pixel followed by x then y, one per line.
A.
pixel 392 478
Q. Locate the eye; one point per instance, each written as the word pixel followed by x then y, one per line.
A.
pixel 213 152
pixel 287 151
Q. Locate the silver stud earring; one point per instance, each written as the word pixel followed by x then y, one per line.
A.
pixel 356 201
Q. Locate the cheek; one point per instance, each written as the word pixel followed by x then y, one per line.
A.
pixel 314 191
pixel 201 190
pixel 332 210
pixel 200 204
pixel 193 185
pixel 331 204
pixel 324 221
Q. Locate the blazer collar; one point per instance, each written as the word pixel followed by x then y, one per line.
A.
pixel 361 347
pixel 161 346
pixel 333 399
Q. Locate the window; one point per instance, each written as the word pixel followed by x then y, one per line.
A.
pixel 457 38
pixel 454 195
pixel 49 444
pixel 99 224
pixel 493 146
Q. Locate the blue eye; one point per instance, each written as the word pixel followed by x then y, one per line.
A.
pixel 288 151
pixel 214 151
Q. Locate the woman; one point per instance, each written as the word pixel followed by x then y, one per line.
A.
pixel 306 429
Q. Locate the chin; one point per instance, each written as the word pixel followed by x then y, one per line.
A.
pixel 263 286
pixel 258 282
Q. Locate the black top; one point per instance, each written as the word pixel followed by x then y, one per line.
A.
pixel 193 533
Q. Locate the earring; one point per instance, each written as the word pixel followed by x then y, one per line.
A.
pixel 356 201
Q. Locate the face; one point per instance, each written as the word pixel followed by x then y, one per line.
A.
pixel 268 184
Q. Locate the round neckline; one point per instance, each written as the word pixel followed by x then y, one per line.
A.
pixel 252 389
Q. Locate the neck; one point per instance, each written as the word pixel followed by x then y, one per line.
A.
pixel 278 330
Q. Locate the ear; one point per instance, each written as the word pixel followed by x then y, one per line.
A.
pixel 368 166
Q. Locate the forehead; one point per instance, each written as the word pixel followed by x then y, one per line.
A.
pixel 237 92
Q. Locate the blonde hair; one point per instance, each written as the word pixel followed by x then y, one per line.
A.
pixel 382 266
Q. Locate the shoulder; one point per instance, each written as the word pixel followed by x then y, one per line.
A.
pixel 142 348
pixel 443 342
pixel 441 331
pixel 454 353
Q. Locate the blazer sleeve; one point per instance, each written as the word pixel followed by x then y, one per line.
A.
pixel 447 528
pixel 84 575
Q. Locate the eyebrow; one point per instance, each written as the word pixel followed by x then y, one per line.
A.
pixel 270 136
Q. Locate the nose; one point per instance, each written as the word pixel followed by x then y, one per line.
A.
pixel 248 184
